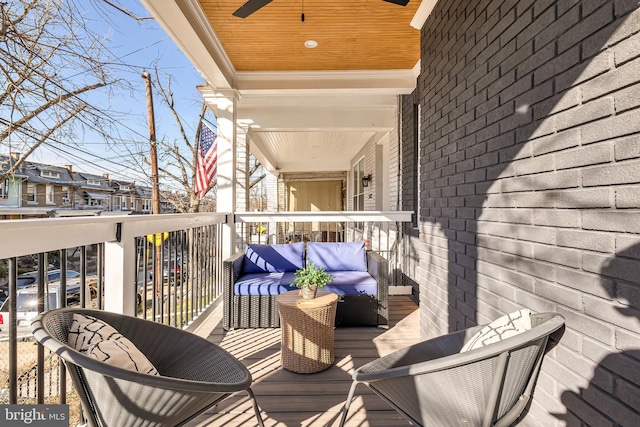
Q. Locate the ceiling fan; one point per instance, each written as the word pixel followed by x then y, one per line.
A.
pixel 252 6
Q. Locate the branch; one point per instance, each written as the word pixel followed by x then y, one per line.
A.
pixel 50 103
pixel 43 138
pixel 256 181
pixel 126 12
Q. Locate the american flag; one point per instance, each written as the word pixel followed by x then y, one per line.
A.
pixel 207 159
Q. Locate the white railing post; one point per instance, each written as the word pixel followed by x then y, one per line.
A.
pixel 119 272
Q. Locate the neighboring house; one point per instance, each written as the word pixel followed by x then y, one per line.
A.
pixel 41 190
pixel 47 186
pixel 145 196
pixel 123 198
pixel 94 191
pixel 129 197
pixel 10 187
pixel 11 192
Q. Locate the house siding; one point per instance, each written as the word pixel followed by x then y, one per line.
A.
pixel 530 188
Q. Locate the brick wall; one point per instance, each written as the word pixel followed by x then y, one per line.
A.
pixel 530 188
pixel 394 172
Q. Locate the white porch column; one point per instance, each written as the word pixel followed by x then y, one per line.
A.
pixel 233 161
pixel 242 168
pixel 271 184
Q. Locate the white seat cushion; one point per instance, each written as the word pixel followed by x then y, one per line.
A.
pixel 502 328
pixel 102 342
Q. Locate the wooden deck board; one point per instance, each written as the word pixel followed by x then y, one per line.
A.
pixel 290 399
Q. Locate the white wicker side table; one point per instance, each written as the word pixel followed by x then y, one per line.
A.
pixel 307 331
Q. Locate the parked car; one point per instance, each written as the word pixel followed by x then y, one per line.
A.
pixel 173 271
pixel 27 305
pixel 31 278
pixel 53 278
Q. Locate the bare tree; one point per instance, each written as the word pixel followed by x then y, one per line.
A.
pixel 177 157
pixel 50 61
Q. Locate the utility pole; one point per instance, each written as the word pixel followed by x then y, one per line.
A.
pixel 155 198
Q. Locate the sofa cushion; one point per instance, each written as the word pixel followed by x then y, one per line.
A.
pixel 338 256
pixel 264 284
pixel 352 283
pixel 273 258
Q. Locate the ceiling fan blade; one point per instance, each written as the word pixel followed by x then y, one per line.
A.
pixel 400 2
pixel 250 7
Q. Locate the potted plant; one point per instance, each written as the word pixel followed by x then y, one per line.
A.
pixel 309 279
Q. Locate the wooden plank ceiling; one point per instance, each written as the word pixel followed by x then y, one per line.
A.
pixel 351 35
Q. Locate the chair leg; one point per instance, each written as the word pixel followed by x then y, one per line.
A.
pixel 347 403
pixel 255 407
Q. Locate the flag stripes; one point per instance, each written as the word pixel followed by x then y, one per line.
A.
pixel 207 159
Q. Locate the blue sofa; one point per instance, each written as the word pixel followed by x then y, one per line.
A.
pixel 254 277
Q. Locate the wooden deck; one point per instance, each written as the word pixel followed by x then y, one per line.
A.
pixel 290 399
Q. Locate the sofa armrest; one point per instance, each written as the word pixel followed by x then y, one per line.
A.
pixel 378 268
pixel 231 268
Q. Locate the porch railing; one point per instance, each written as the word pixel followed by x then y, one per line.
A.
pixel 167 268
pixel 381 231
pixel 160 267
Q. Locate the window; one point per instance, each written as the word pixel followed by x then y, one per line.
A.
pixel 50 174
pixel 357 173
pixel 65 195
pixel 116 203
pixel 146 205
pixel 134 204
pixel 125 187
pixel 50 195
pixel 4 189
pixel 91 181
pixel 124 202
pixel 32 196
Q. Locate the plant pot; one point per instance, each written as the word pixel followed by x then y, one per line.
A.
pixel 309 292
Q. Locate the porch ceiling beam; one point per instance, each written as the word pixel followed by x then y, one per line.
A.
pixel 390 82
pixel 262 153
pixel 336 118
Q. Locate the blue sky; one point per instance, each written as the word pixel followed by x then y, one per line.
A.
pixel 138 45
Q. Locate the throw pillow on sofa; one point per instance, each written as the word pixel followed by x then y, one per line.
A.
pixel 102 342
pixel 500 329
pixel 277 258
pixel 341 256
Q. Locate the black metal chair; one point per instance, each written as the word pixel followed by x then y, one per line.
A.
pixel 194 374
pixel 432 383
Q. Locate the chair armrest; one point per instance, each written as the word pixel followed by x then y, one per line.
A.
pixel 377 265
pixel 378 268
pixel 231 270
